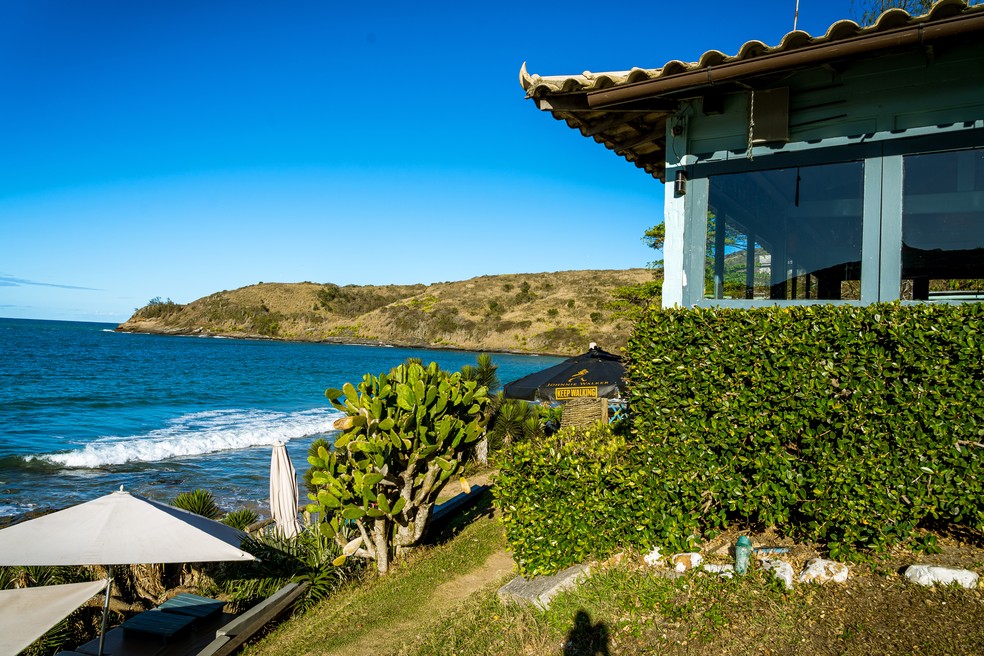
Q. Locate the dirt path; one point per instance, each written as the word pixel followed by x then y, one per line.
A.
pixel 381 642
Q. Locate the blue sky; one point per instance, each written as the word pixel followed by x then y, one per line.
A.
pixel 178 148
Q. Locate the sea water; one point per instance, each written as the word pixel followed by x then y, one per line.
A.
pixel 85 409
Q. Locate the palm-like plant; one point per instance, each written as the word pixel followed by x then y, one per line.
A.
pixel 307 557
pixel 485 373
pixel 241 518
pixel 514 421
pixel 201 502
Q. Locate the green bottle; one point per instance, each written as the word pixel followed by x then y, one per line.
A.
pixel 743 553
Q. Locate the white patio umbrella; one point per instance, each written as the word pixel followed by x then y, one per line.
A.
pixel 283 492
pixel 119 529
pixel 26 614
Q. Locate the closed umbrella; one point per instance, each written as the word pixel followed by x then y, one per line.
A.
pixel 119 529
pixel 283 492
pixel 26 614
pixel 594 374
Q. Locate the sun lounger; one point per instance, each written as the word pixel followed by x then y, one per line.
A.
pixel 159 624
pixel 193 605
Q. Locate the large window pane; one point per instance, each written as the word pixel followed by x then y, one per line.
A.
pixel 943 226
pixel 785 234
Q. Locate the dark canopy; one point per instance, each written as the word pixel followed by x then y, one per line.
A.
pixel 594 374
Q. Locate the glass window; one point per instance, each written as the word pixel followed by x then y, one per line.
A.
pixel 785 233
pixel 943 226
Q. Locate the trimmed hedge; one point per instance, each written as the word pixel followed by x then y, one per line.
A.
pixel 849 426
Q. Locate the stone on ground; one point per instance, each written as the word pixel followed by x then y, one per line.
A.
pixel 820 570
pixel 935 575
pixel 780 569
pixel 541 589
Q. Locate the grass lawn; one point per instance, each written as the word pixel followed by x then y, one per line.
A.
pixel 443 601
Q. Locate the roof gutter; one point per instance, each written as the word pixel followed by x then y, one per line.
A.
pixel 809 56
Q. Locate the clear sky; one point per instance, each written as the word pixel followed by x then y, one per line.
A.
pixel 178 148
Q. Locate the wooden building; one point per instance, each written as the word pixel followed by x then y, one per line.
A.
pixel 845 168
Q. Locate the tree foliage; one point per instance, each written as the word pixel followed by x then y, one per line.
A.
pixel 404 436
pixel 629 301
pixel 866 12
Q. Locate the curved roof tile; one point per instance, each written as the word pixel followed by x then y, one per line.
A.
pixel 639 135
pixel 538 86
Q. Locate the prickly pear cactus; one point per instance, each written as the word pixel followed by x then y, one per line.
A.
pixel 404 435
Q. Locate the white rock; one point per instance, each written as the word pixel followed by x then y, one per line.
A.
pixel 934 575
pixel 781 570
pixel 724 571
pixel 654 557
pixel 820 570
pixel 684 561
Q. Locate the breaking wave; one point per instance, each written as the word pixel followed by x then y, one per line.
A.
pixel 198 434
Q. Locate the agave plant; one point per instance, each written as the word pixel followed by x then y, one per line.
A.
pixel 240 519
pixel 201 502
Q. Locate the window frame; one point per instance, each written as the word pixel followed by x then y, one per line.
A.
pixel 881 222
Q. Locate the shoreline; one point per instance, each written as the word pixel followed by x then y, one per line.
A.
pixel 349 341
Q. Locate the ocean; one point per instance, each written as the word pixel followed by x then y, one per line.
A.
pixel 84 409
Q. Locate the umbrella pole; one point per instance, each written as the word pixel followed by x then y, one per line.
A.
pixel 109 589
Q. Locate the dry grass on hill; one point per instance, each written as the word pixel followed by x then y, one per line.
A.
pixel 558 312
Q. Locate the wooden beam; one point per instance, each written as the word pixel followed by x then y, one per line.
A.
pixel 653 137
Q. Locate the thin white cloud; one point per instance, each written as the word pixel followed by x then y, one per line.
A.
pixel 10 281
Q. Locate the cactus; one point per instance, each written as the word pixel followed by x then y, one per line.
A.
pixel 403 437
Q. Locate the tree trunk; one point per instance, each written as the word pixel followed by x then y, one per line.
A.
pixel 482 451
pixel 380 534
pixel 408 535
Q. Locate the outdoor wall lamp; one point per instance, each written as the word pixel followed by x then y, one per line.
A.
pixel 680 183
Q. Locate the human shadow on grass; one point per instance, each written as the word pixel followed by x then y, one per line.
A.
pixel 585 638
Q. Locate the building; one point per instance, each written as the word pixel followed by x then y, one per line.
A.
pixel 845 168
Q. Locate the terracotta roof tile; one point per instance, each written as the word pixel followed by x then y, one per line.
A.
pixel 639 134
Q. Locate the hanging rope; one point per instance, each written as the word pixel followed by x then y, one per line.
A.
pixel 751 126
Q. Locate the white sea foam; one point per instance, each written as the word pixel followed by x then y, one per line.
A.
pixel 198 434
pixel 13 510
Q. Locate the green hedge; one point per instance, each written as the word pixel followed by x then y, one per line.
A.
pixel 849 426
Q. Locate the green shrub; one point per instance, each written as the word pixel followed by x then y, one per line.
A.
pixel 846 425
pixel 555 496
pixel 850 426
pixel 157 308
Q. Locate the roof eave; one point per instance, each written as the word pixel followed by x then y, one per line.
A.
pixel 918 35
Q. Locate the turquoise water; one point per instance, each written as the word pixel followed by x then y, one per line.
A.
pixel 84 409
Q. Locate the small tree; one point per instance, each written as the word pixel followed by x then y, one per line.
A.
pixel 404 436
pixel 630 301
